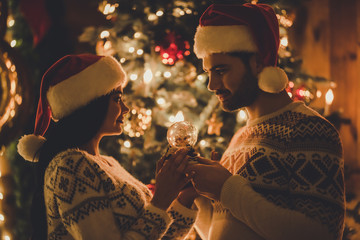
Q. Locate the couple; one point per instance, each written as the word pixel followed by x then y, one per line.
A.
pixel 280 178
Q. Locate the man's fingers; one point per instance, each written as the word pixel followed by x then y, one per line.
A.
pixel 215 155
pixel 204 161
pixel 160 163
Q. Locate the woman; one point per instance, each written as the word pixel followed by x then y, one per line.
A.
pixel 83 194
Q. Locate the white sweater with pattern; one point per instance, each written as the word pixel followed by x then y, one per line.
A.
pixel 90 197
pixel 287 183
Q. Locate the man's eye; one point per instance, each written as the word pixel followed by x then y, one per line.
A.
pixel 220 71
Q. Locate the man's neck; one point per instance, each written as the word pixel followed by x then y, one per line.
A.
pixel 268 103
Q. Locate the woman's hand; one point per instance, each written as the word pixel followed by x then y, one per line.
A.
pixel 170 178
pixel 208 177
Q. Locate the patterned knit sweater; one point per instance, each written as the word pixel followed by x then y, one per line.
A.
pixel 93 197
pixel 287 181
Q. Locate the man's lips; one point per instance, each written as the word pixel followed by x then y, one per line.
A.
pixel 223 96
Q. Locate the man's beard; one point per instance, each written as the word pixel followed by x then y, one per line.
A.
pixel 244 96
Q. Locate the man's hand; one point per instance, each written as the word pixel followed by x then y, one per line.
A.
pixel 208 177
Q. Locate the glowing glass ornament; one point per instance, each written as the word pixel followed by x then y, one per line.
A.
pixel 182 134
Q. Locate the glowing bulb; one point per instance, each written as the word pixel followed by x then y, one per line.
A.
pixel 182 13
pixel 133 111
pixel 122 60
pixel 13 43
pixel 165 55
pixel 137 35
pixel 167 74
pixel 104 34
pixel 127 144
pixel 329 97
pixel 133 76
pixel 318 93
pixel 152 17
pixel 284 41
pixel 148 112
pixel 179 117
pixel 242 115
pixel 161 101
pixel 1 196
pixel 131 49
pixel 107 45
pixel 140 52
pixel 188 11
pixel 159 13
pixel 148 76
pixel 203 143
pixel 7 237
pixel 2 218
pixel 11 22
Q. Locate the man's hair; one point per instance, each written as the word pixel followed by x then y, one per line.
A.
pixel 244 56
pixel 70 132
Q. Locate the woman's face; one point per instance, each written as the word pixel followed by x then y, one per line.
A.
pixel 115 114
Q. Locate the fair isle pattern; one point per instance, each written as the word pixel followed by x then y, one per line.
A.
pixel 295 161
pixel 180 226
pixel 78 190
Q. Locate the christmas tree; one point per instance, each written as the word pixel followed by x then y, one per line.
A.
pixel 153 40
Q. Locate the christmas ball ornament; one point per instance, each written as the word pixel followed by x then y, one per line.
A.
pixel 182 134
pixel 172 48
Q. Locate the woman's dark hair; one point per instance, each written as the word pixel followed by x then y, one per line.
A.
pixel 69 132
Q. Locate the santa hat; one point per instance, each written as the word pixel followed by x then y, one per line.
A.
pixel 69 84
pixel 226 28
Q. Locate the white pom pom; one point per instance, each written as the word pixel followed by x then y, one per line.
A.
pixel 272 80
pixel 29 145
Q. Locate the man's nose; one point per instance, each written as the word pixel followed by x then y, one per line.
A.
pixel 214 84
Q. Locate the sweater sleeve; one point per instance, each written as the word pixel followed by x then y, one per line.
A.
pixel 295 193
pixel 268 220
pixel 182 221
pixel 85 202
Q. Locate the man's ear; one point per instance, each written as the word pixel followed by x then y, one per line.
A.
pixel 256 64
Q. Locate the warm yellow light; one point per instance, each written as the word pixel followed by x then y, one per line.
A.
pixel 202 142
pixel 133 76
pixel 284 41
pixel 148 75
pixel 318 93
pixel 127 144
pixel 13 43
pixel 131 49
pixel 161 101
pixel 122 60
pixel 140 52
pixel 104 34
pixel 7 237
pixel 11 22
pixel 178 117
pixel 1 196
pixel 159 13
pixel 167 74
pixel 329 97
pixel 148 112
pixel 137 35
pixel 152 17
pixel 2 218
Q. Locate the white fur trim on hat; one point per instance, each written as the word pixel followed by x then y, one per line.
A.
pixel 78 90
pixel 29 145
pixel 272 80
pixel 223 39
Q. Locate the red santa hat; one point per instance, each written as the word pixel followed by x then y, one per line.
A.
pixel 226 28
pixel 70 83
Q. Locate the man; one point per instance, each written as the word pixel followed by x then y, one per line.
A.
pixel 282 174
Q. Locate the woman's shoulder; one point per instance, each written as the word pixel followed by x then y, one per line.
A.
pixel 73 162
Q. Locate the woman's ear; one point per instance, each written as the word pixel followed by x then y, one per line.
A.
pixel 256 64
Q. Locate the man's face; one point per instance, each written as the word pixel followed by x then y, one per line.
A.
pixel 231 81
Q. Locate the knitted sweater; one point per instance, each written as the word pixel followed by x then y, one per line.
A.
pixel 93 197
pixel 287 181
